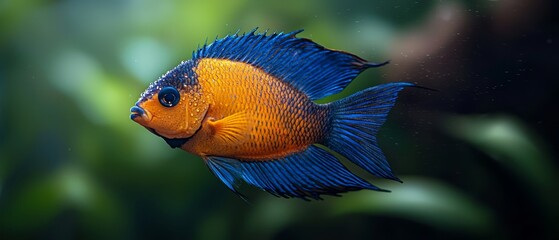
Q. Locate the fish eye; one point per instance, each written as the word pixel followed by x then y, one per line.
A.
pixel 169 96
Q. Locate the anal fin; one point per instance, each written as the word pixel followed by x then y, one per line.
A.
pixel 306 174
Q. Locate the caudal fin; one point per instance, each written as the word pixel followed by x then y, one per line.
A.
pixel 355 122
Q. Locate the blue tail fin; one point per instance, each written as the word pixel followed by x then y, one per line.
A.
pixel 355 122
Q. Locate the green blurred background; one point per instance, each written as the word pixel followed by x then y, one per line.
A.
pixel 477 158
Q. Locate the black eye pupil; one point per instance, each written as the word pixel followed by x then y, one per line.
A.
pixel 169 96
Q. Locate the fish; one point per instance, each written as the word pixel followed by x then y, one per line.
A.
pixel 246 105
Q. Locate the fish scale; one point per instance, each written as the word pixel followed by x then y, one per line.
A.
pixel 279 127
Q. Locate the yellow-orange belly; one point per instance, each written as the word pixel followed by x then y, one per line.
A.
pixel 280 119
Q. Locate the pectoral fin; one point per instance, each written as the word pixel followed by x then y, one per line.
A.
pixel 233 129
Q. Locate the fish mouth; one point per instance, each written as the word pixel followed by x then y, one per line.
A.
pixel 138 113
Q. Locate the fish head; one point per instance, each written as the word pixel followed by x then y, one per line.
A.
pixel 165 107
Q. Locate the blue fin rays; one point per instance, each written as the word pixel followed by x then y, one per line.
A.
pixel 355 122
pixel 307 174
pixel 307 66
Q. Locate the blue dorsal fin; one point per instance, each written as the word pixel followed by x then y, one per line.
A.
pixel 307 66
pixel 307 174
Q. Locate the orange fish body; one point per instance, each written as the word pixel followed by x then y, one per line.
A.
pixel 267 118
pixel 245 104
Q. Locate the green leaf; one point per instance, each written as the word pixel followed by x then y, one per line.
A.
pixel 422 200
pixel 516 148
pixel 509 142
pixel 35 204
